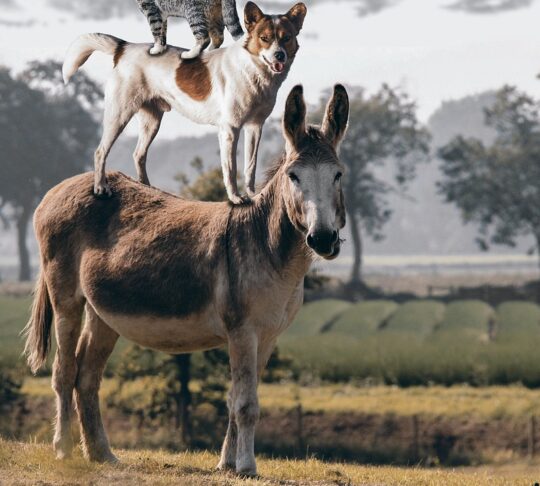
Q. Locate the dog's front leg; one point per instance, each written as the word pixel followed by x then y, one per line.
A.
pixel 252 137
pixel 228 143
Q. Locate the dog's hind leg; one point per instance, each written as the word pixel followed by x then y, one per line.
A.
pixel 150 116
pixel 95 346
pixel 118 111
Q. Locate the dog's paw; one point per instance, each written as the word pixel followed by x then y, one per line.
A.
pixel 237 199
pixel 251 192
pixel 157 49
pixel 102 190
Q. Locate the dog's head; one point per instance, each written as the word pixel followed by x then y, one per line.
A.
pixel 272 38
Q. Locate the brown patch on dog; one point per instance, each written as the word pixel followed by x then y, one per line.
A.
pixel 119 51
pixel 193 78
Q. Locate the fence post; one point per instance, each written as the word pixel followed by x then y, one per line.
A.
pixel 531 443
pixel 415 439
pixel 300 429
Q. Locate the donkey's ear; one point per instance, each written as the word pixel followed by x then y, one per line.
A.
pixel 294 119
pixel 252 14
pixel 336 116
pixel 296 15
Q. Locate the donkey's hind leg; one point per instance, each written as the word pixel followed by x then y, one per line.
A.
pixel 150 116
pixel 67 326
pixel 95 346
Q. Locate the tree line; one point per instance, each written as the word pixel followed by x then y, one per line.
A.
pixel 48 132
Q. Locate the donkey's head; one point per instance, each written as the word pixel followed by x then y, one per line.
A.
pixel 312 191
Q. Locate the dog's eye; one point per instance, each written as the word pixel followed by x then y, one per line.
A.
pixel 286 38
pixel 265 39
pixel 338 177
pixel 293 177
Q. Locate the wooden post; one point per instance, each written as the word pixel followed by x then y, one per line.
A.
pixel 415 439
pixel 531 443
pixel 300 429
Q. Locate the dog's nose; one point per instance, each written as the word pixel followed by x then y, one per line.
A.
pixel 280 56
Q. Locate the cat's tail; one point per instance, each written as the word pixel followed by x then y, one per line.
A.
pixel 83 47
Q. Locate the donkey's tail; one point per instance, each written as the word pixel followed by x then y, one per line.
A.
pixel 83 47
pixel 38 329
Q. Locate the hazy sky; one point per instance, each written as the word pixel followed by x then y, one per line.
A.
pixel 434 52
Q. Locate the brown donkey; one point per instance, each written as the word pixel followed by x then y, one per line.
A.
pixel 179 276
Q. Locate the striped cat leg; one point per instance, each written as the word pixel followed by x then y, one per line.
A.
pixel 216 35
pixel 230 17
pixel 158 26
pixel 199 26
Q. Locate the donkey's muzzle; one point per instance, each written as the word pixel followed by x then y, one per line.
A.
pixel 324 243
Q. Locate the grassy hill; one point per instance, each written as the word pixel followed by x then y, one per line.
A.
pixel 35 464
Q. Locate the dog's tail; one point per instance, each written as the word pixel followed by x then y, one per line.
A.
pixel 83 47
pixel 38 329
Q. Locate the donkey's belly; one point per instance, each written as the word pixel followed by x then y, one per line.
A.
pixel 188 334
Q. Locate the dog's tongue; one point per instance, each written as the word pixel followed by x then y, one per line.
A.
pixel 279 67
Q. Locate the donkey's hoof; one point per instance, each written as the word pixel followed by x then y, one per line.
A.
pixel 226 466
pixel 62 455
pixel 105 457
pixel 247 473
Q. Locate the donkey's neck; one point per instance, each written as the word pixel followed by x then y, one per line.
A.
pixel 271 236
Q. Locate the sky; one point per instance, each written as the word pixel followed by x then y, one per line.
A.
pixel 433 52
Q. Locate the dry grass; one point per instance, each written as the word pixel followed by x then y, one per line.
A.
pixel 486 402
pixel 22 464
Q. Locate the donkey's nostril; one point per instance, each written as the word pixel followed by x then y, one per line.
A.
pixel 310 240
pixel 280 56
pixel 335 236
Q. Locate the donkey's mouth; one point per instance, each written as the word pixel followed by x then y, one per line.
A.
pixel 335 251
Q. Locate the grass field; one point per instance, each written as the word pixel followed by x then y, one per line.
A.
pixel 483 403
pixel 35 464
pixel 419 342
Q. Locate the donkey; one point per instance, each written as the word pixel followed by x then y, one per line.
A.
pixel 178 276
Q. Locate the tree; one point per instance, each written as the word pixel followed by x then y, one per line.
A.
pixel 383 129
pixel 497 185
pixel 46 134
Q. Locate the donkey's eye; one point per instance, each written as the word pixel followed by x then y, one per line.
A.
pixel 265 39
pixel 286 38
pixel 338 177
pixel 293 177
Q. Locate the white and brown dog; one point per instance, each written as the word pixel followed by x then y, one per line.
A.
pixel 231 88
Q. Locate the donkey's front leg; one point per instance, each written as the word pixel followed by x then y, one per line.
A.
pixel 228 143
pixel 243 356
pixel 228 450
pixel 252 137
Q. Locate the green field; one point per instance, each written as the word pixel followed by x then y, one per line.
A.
pixel 418 342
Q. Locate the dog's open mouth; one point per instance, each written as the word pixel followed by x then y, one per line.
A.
pixel 276 67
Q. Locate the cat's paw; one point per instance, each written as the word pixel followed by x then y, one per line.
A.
pixel 157 49
pixel 193 53
pixel 250 192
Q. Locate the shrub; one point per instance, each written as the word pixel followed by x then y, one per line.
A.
pixel 364 319
pixel 419 317
pixel 313 317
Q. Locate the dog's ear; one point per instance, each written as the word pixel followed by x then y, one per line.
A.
pixel 294 119
pixel 252 14
pixel 336 116
pixel 296 15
